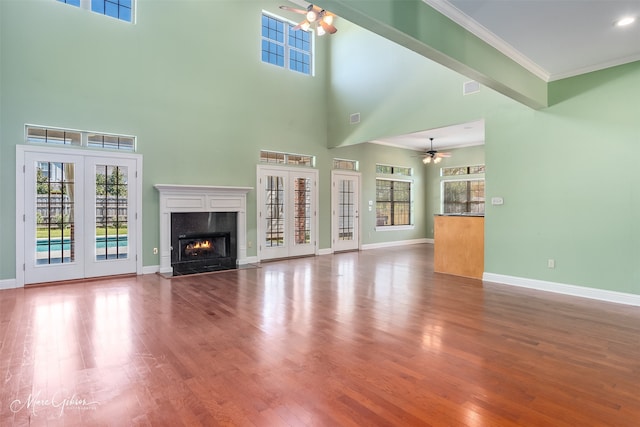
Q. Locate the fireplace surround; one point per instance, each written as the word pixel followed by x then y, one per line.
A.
pixel 206 200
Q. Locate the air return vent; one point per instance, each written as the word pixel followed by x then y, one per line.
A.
pixel 354 118
pixel 470 87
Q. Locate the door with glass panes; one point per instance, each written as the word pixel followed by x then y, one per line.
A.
pixel 345 217
pixel 287 221
pixel 79 218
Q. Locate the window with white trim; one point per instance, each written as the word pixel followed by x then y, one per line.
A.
pixel 77 138
pixel 345 164
pixel 394 201
pixel 287 158
pixel 119 9
pixel 285 47
pixel 463 194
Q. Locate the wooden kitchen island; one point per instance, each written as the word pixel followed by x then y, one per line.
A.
pixel 459 245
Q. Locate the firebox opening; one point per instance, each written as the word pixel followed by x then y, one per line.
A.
pixel 203 242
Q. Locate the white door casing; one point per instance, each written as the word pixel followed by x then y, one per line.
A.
pixel 345 208
pixel 81 258
pixel 287 211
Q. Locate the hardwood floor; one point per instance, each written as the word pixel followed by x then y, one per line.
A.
pixel 353 339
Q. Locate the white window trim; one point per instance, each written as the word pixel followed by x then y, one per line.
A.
pixel 84 138
pixel 411 208
pixel 312 50
pixel 86 5
pixel 442 182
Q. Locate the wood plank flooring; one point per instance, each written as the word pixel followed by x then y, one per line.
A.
pixel 372 338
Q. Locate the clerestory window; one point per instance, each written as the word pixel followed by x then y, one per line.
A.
pixel 119 9
pixel 285 47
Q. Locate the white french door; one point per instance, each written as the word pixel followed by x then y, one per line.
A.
pixel 80 215
pixel 287 220
pixel 345 217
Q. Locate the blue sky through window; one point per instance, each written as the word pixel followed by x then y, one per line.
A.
pixel 71 2
pixel 280 43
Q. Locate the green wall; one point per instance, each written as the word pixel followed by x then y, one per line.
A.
pixel 201 102
pixel 567 173
pixel 569 179
pixel 186 79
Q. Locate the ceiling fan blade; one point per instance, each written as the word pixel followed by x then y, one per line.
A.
pixel 293 9
pixel 443 154
pixel 328 27
pixel 300 25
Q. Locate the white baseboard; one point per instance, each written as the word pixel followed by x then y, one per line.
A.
pixel 150 269
pixel 561 288
pixel 8 284
pixel 248 260
pixel 396 243
pixel 326 251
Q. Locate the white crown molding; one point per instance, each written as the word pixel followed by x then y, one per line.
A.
pixel 466 22
pixel 592 68
pixel 561 288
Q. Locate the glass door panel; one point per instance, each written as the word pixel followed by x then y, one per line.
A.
pixel 274 211
pixel 111 223
pixel 111 216
pixel 286 212
pixel 345 218
pixel 52 249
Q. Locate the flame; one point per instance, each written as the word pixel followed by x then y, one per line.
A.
pixel 202 245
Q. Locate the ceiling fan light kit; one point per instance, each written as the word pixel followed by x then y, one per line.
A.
pixel 318 19
pixel 433 156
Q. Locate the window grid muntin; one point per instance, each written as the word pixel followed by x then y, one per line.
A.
pixel 285 47
pixel 346 209
pixel 123 10
pixel 462 170
pixel 275 216
pixel 48 135
pixel 393 170
pixel 463 196
pixel 54 210
pixel 346 164
pixel 119 9
pixel 393 202
pixel 111 186
pixel 304 160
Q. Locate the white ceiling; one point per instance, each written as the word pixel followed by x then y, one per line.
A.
pixel 553 39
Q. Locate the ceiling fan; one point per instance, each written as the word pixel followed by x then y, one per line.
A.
pixel 434 156
pixel 316 17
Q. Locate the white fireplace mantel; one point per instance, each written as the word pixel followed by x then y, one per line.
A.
pixel 200 198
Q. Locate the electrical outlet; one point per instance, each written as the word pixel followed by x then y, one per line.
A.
pixel 250 244
pixel 155 251
pixel 551 263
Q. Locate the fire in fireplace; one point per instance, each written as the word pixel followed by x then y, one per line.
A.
pixel 203 242
pixel 197 247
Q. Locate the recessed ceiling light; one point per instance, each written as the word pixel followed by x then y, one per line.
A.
pixel 627 20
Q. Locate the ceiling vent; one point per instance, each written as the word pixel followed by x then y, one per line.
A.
pixel 470 87
pixel 354 118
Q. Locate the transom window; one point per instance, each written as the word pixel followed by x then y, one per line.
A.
pixel 285 47
pixel 287 158
pixel 44 135
pixel 393 196
pixel 119 9
pixel 344 164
